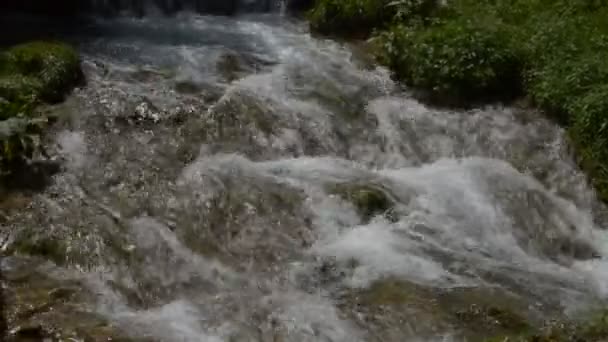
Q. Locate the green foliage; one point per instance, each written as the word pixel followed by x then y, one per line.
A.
pixel 558 84
pixel 464 59
pixel 412 11
pixel 350 17
pixel 589 133
pixel 31 73
pixel 41 69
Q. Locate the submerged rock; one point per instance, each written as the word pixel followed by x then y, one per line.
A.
pixel 369 200
pixel 39 307
pixel 232 66
pixel 249 217
pixel 393 308
pixel 242 116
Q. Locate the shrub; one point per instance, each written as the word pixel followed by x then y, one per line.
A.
pixel 459 58
pixel 350 17
pixel 558 85
pixel 413 11
pixel 589 133
pixel 29 74
pixel 41 69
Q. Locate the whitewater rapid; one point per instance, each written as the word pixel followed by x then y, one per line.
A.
pixel 196 206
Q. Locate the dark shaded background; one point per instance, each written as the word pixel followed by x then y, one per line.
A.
pixel 3 324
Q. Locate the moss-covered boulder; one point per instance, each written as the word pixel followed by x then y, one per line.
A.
pixel 31 74
pixel 369 200
pixel 40 308
pixel 394 306
pixel 44 70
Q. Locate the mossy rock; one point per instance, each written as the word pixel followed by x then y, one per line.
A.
pixel 242 109
pixel 369 200
pixel 30 74
pixel 19 142
pixel 18 88
pixel 48 248
pixel 46 70
pixel 393 292
pixel 38 308
pixel 592 328
pixel 474 314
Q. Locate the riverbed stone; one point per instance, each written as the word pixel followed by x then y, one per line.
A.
pixel 39 307
pixel 472 313
pixel 369 200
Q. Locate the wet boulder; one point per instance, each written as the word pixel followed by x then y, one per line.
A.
pixel 232 66
pixel 250 216
pixel 242 122
pixel 40 70
pixel 394 308
pixel 547 229
pixel 39 307
pixel 369 200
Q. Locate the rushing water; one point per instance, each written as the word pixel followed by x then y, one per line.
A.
pixel 195 199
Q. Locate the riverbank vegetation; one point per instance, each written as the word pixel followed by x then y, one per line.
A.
pixel 31 74
pixel 553 53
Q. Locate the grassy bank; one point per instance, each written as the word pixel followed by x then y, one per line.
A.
pixel 31 74
pixel 465 52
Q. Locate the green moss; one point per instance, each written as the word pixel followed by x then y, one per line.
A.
pixel 390 292
pixel 19 141
pixel 48 248
pixel 30 74
pixel 369 200
pixel 42 69
pixel 463 59
pixel 592 329
pixel 472 313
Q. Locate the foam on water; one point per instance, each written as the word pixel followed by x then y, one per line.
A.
pixel 221 223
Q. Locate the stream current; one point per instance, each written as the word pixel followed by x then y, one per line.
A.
pixel 197 202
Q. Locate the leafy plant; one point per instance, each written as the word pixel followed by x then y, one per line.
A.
pixel 30 74
pixel 350 17
pixel 41 69
pixel 462 58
